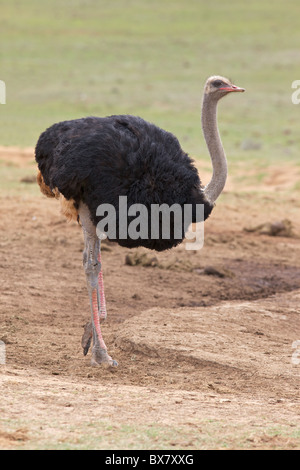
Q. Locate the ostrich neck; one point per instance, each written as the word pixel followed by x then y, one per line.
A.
pixel 215 148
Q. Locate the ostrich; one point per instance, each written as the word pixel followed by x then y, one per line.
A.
pixel 92 161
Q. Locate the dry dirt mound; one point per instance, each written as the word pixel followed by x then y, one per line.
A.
pixel 229 347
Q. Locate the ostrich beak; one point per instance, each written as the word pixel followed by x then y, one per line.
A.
pixel 232 88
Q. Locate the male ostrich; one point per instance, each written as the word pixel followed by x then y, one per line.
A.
pixel 91 161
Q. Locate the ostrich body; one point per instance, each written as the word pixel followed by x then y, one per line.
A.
pixel 92 161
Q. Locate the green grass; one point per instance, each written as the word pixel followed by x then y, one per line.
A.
pixel 67 59
pixel 207 434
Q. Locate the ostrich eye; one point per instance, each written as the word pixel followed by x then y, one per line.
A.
pixel 217 83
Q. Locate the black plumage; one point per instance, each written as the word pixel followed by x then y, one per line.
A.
pixel 96 160
pixel 89 162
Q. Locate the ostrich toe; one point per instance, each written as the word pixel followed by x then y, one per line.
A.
pixel 87 337
pixel 101 357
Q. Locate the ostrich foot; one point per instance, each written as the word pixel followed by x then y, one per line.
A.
pixel 100 357
pixel 87 337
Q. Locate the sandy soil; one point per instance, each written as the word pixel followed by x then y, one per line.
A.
pixel 201 337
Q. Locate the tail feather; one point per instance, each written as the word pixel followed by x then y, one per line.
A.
pixel 44 188
pixel 68 207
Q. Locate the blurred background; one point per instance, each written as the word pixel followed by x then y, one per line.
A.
pixel 66 59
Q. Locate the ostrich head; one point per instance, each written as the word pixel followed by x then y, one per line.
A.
pixel 217 87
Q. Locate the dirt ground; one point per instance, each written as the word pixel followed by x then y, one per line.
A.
pixel 205 340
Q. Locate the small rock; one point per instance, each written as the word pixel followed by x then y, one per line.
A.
pixel 136 297
pixel 211 271
pixel 141 259
pixel 281 228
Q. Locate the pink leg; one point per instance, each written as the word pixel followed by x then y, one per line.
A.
pixel 96 318
pixel 92 267
pixel 99 350
pixel 103 311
